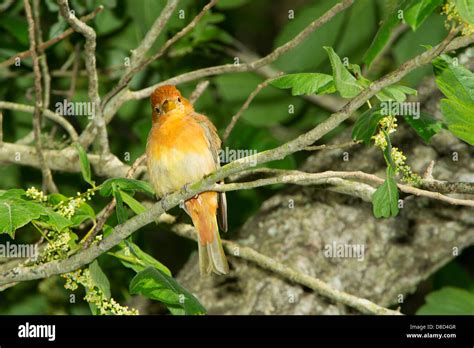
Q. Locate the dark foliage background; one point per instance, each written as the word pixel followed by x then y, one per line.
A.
pixel 259 25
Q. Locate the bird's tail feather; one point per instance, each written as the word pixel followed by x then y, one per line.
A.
pixel 203 213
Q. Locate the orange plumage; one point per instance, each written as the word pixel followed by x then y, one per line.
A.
pixel 182 148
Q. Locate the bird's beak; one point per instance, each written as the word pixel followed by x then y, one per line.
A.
pixel 169 105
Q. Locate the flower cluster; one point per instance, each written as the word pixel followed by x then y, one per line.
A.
pixel 388 125
pixel 68 208
pixel 454 18
pixel 94 295
pixel 35 194
pixel 57 247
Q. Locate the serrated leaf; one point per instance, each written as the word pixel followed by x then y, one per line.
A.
pixel 156 285
pixel 454 80
pixel 16 213
pixel 85 165
pixel 99 278
pixel 306 83
pixel 448 301
pixel 460 119
pixel 385 199
pixel 58 222
pixel 456 83
pixel 366 125
pixel 425 125
pixel 126 185
pixel 345 83
pixel 12 193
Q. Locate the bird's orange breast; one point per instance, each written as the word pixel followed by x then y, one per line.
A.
pixel 177 153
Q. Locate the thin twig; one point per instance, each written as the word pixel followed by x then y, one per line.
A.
pixel 331 146
pixel 144 62
pixel 111 107
pixel 327 101
pixel 198 91
pixel 242 109
pixel 302 178
pixel 90 61
pixel 49 43
pixel 269 58
pixel 48 183
pixel 47 113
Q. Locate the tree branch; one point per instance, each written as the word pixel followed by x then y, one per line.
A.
pixel 124 95
pixel 48 183
pixel 47 113
pixel 265 262
pixel 143 63
pixel 244 107
pixel 90 61
pixel 43 46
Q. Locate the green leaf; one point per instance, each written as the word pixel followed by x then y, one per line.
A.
pixel 82 213
pixel 133 257
pixel 306 83
pixel 456 83
pixel 385 199
pixel 366 125
pixel 125 185
pixel 448 301
pixel 12 193
pixel 16 213
pixel 119 207
pixel 156 285
pixel 17 27
pixel 58 222
pixel 460 119
pixel 99 278
pixel 425 125
pixel 85 165
pixel 416 14
pixel 454 80
pixel 135 205
pixel 346 84
pixel 387 154
pixel 395 92
pixel 381 38
pixel 466 10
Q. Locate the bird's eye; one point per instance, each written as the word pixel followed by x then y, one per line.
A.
pixel 179 100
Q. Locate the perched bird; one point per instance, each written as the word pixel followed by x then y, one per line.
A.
pixel 182 148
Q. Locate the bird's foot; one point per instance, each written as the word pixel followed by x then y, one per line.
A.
pixel 163 202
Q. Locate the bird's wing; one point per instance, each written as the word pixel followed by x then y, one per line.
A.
pixel 214 145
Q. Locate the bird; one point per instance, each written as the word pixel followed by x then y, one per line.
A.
pixel 182 148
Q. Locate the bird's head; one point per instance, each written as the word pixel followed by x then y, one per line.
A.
pixel 166 99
